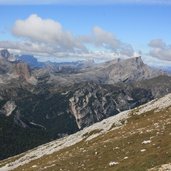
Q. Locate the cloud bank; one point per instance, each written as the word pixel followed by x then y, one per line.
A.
pixel 85 2
pixel 159 49
pixel 106 40
pixel 46 37
pixel 47 31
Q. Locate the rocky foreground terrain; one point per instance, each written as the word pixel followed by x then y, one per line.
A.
pixel 137 139
pixel 41 103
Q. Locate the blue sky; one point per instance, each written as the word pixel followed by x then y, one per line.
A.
pixel 134 24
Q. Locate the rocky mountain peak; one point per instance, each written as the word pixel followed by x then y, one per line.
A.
pixel 5 53
pixel 131 69
pixel 22 70
pixel 11 68
pixel 136 61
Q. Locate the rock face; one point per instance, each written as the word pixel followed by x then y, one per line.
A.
pixel 8 108
pixel 132 69
pixel 11 69
pixel 22 70
pixel 93 103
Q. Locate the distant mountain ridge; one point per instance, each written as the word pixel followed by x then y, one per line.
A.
pixel 129 70
pixel 118 70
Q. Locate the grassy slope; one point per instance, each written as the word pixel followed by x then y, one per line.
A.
pixel 115 145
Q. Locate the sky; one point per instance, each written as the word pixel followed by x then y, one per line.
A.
pixel 84 29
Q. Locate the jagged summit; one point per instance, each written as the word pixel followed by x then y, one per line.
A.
pixel 11 68
pixel 131 69
pixel 5 53
pixel 135 60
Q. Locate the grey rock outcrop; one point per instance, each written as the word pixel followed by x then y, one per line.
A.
pixel 132 69
pixel 8 108
pixel 93 103
pixel 10 69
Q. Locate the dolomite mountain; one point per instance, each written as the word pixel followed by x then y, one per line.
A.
pixel 119 70
pixel 44 103
pixel 93 102
pixel 10 69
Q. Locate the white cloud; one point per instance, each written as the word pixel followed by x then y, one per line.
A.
pixel 85 2
pixel 45 31
pixel 157 43
pixel 46 37
pixel 28 47
pixel 45 52
pixel 160 49
pixel 36 28
pixel 106 40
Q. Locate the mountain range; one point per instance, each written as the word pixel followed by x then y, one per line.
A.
pixel 45 102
